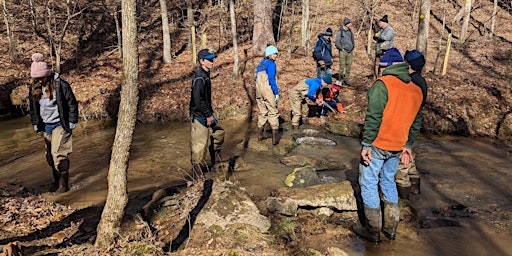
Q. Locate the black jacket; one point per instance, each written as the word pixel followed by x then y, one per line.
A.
pixel 418 80
pixel 201 95
pixel 66 103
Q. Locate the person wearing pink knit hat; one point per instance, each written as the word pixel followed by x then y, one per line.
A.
pixel 54 114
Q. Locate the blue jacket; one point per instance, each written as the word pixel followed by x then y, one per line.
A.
pixel 314 85
pixel 323 50
pixel 269 66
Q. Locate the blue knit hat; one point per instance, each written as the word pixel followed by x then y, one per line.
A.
pixel 415 59
pixel 327 79
pixel 392 56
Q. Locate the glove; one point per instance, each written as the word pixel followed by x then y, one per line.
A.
pixel 376 35
pixel 277 98
pixel 72 126
pixel 321 64
pixel 35 128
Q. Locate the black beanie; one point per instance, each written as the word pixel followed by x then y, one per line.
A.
pixel 415 59
pixel 384 18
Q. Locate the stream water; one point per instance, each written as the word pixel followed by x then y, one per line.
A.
pixel 474 174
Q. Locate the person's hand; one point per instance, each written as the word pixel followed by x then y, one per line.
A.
pixel 366 156
pixel 72 126
pixel 321 64
pixel 276 98
pixel 209 120
pixel 406 157
pixel 319 102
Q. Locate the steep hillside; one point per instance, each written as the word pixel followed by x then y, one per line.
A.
pixel 473 98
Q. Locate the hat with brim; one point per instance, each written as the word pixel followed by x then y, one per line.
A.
pixel 205 54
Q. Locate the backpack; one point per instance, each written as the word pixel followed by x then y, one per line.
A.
pixel 316 48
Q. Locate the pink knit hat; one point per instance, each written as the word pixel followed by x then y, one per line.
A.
pixel 39 68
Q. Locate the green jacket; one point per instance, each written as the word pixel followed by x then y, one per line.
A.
pixel 377 97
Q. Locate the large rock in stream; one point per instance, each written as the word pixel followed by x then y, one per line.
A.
pixel 339 196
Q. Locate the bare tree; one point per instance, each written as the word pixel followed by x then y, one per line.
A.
pixel 165 32
pixel 493 18
pixel 423 25
pixel 262 32
pixel 305 24
pixel 234 34
pixel 10 37
pixel 465 21
pixel 117 196
pixel 56 33
pixel 112 8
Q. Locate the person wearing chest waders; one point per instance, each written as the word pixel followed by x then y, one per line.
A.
pixel 206 134
pixel 267 94
pixel 392 123
pixel 54 114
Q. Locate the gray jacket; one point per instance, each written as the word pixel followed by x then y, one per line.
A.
pixel 345 39
pixel 386 39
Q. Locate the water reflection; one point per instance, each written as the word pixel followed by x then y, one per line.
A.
pixel 475 173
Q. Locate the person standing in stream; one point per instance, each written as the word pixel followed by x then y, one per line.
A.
pixel 54 114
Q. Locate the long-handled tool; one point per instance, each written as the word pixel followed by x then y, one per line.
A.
pixel 332 109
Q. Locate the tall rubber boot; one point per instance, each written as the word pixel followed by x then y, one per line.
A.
pixel 371 231
pixel 403 192
pixel 415 186
pixel 275 136
pixel 391 218
pixel 56 178
pixel 261 132
pixel 63 169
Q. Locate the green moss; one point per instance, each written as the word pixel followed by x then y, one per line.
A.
pixel 140 249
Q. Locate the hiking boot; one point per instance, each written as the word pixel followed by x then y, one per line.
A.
pixel 261 132
pixel 347 83
pixel 415 186
pixel 371 231
pixel 275 138
pixel 391 219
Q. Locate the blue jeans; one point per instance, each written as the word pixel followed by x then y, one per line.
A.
pixel 380 172
pixel 331 103
pixel 320 73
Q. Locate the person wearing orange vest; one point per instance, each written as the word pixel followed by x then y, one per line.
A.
pixel 392 123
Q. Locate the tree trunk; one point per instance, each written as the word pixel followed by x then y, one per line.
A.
pixel 493 18
pixel 290 46
pixel 262 32
pixel 166 33
pixel 10 38
pixel 423 25
pixel 305 24
pixel 117 196
pixel 465 21
pixel 234 34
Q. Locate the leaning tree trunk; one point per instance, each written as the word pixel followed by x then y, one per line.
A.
pixel 117 196
pixel 165 32
pixel 465 21
pixel 233 33
pixel 424 22
pixel 262 32
pixel 493 18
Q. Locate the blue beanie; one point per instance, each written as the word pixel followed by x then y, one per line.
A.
pixel 415 59
pixel 327 79
pixel 391 56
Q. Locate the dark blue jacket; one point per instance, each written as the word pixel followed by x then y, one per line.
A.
pixel 323 50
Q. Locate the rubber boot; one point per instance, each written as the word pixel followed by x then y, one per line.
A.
pixel 391 218
pixel 275 138
pixel 415 186
pixel 371 231
pixel 63 169
pixel 56 178
pixel 403 192
pixel 261 132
